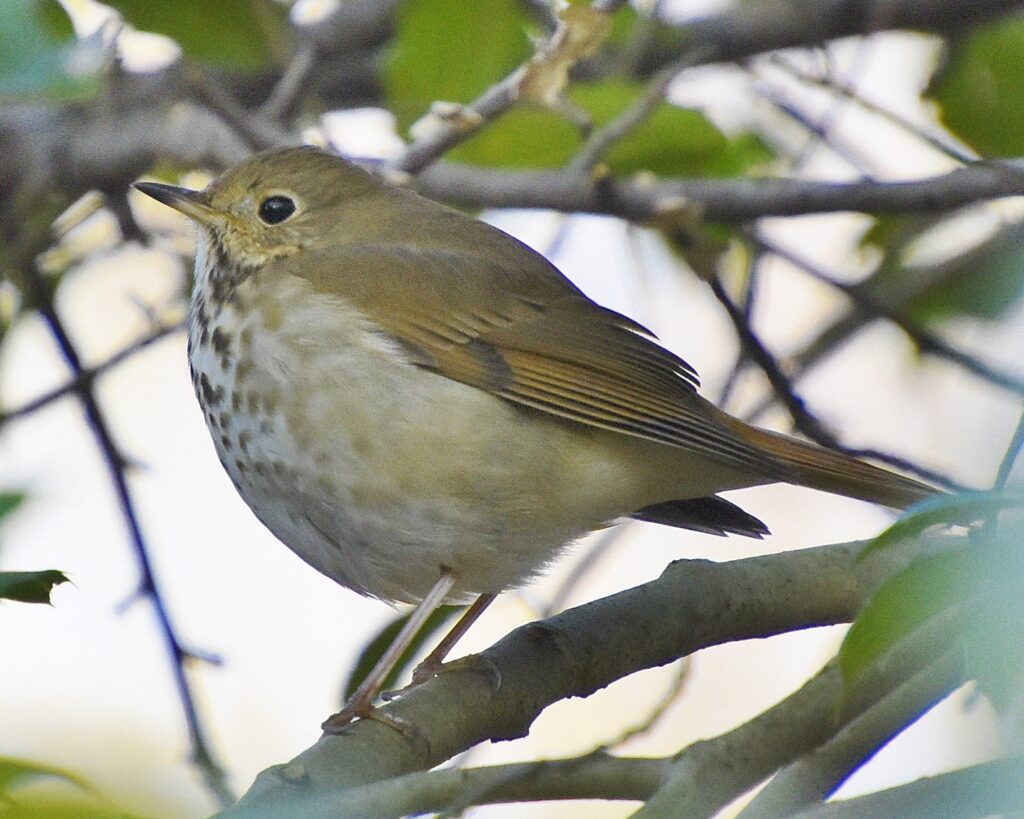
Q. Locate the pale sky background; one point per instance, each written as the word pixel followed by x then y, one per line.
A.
pixel 87 687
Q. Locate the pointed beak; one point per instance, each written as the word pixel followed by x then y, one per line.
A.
pixel 189 202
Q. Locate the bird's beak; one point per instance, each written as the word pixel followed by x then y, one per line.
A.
pixel 189 202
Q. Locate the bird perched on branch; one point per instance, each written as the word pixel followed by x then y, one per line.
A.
pixel 426 410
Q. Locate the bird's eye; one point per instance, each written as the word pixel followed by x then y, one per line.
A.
pixel 275 209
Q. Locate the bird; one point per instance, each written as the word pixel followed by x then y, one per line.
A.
pixel 426 410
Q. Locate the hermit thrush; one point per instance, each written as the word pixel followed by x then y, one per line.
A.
pixel 425 409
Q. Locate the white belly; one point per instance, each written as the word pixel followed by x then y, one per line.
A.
pixel 381 474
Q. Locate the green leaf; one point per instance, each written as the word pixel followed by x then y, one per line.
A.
pixel 903 602
pixel 61 806
pixel 985 281
pixel 961 508
pixel 673 141
pixel 244 34
pixel 9 501
pixel 994 635
pixel 978 88
pixel 985 286
pixel 17 772
pixel 30 587
pixel 379 644
pixel 451 52
pixel 35 42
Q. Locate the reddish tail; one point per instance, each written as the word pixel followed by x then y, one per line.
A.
pixel 830 471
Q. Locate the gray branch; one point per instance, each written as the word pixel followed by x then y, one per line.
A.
pixel 990 789
pixel 720 200
pixel 497 694
pixel 710 774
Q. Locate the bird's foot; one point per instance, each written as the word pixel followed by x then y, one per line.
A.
pixel 355 708
pixel 424 671
pixel 427 670
pixel 352 711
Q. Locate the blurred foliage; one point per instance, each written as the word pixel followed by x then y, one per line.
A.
pixel 429 61
pixel 994 631
pixel 977 586
pixel 985 281
pixel 9 501
pixel 451 52
pixel 245 34
pixel 978 88
pixel 24 794
pixel 674 141
pixel 37 45
pixel 905 601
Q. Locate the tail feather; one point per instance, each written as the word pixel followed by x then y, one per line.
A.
pixel 819 468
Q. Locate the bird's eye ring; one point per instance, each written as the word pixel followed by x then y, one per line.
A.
pixel 275 209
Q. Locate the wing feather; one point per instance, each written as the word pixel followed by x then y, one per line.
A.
pixel 521 330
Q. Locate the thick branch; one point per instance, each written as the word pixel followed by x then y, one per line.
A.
pixel 497 695
pixel 152 117
pixel 720 200
pixel 754 28
pixel 595 776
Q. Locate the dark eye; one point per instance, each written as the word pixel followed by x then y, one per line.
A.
pixel 275 209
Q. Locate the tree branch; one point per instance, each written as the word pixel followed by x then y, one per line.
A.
pixel 813 778
pixel 718 200
pixel 990 789
pixel 925 340
pixel 748 29
pixel 201 754
pixel 87 375
pixel 595 776
pixel 497 694
pixel 710 774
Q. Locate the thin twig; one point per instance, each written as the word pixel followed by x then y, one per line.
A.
pixel 846 91
pixel 257 131
pixel 803 419
pixel 584 566
pixel 602 140
pixel 680 677
pixel 1012 453
pixel 747 308
pixel 83 378
pixel 201 754
pixel 445 135
pixel 819 132
pixel 291 85
pixel 864 47
pixel 925 340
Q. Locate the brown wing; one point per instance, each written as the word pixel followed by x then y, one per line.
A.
pixel 529 336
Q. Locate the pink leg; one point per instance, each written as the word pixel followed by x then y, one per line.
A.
pixel 432 664
pixel 361 702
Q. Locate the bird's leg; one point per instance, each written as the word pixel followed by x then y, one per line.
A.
pixel 435 659
pixel 360 704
